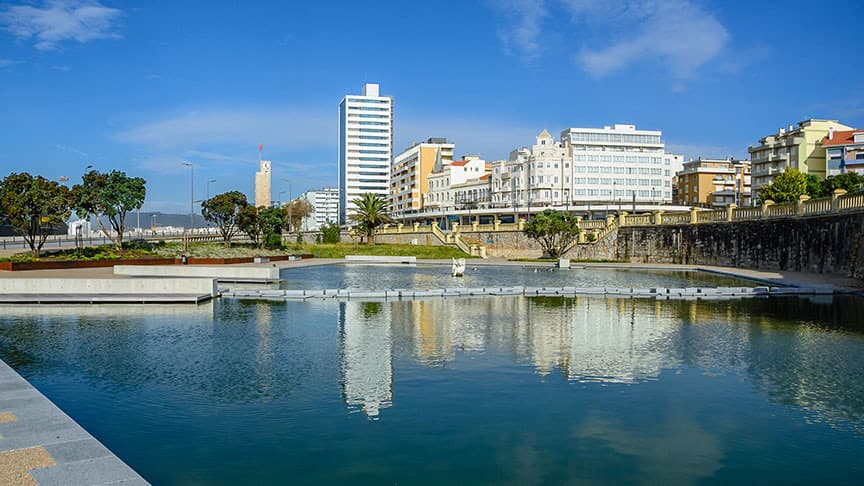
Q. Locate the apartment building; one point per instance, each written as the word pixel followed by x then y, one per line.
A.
pixel 457 185
pixel 796 147
pixel 540 175
pixel 715 183
pixel 410 171
pixel 365 146
pixel 619 163
pixel 325 207
pixel 844 152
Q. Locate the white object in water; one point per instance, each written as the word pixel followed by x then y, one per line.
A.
pixel 458 267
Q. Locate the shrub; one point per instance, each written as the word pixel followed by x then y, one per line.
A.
pixel 273 241
pixel 139 245
pixel 331 233
pixel 299 238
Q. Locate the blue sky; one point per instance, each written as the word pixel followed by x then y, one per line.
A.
pixel 142 86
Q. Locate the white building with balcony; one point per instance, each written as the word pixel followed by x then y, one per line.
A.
pixel 540 175
pixel 459 183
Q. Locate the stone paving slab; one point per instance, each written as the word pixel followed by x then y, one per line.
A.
pixel 39 444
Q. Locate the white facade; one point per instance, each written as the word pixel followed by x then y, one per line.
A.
pixel 614 163
pixel 325 207
pixel 365 146
pixel 446 184
pixel 540 176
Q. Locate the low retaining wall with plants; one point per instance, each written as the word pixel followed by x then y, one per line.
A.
pixel 72 264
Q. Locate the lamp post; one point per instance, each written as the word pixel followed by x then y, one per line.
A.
pixel 191 194
pixel 290 200
pixel 211 181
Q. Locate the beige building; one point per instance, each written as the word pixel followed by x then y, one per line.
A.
pixel 715 183
pixel 794 147
pixel 262 185
pixel 410 171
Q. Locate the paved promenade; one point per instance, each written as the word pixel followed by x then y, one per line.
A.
pixel 39 444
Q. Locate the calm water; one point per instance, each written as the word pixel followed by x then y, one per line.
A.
pixel 501 390
pixel 438 276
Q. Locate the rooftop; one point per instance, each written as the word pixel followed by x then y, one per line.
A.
pixel 845 137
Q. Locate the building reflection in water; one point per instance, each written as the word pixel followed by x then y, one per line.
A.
pixel 366 351
pixel 775 342
pixel 264 369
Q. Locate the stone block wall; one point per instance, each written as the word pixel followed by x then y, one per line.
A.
pixel 821 244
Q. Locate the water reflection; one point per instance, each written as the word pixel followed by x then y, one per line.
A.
pixel 811 361
pixel 367 366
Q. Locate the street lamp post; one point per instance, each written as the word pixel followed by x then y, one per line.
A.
pixel 191 194
pixel 211 181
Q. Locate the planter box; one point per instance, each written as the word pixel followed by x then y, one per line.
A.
pixel 66 264
pixel 70 264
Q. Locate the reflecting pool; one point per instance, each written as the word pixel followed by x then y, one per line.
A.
pixel 372 277
pixel 496 390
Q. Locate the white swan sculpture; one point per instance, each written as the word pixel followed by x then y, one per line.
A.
pixel 458 267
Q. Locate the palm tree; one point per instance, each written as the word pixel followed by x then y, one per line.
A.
pixel 371 213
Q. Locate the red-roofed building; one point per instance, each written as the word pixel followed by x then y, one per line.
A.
pixel 844 151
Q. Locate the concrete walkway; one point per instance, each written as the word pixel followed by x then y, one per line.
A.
pixel 39 444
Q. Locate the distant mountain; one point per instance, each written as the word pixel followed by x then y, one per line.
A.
pixel 160 220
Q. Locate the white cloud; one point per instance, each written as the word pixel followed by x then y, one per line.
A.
pixel 67 148
pixel 8 62
pixel 287 127
pixel 678 33
pixel 58 21
pixel 64 69
pixel 526 17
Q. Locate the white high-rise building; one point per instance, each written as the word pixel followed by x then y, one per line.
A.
pixel 365 146
pixel 618 163
pixel 325 207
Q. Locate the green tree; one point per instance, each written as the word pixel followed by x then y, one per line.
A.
pixel 786 187
pixel 294 212
pixel 814 186
pixel 223 210
pixel 331 233
pixel 34 205
pixel 109 195
pixel 263 225
pixel 370 214
pixel 850 182
pixel 556 232
pixel 271 223
pixel 247 222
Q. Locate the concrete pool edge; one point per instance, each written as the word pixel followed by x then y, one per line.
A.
pixel 39 442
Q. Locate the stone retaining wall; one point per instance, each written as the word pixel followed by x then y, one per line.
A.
pixel 823 244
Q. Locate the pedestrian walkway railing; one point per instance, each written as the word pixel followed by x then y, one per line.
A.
pixel 839 202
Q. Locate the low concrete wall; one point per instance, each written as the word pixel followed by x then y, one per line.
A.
pixel 380 259
pixel 221 273
pixel 108 286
